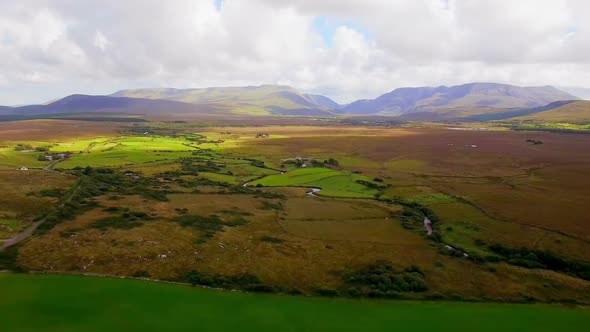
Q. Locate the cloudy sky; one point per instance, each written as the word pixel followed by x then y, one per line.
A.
pixel 346 49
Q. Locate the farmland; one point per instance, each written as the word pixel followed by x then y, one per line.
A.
pixel 333 183
pixel 230 207
pixel 88 303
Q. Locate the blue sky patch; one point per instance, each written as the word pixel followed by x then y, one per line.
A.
pixel 327 27
pixel 218 4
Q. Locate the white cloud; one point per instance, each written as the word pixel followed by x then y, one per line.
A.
pixel 100 41
pixel 99 46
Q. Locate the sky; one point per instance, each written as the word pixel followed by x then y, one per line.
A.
pixel 345 49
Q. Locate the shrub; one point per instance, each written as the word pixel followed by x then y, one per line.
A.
pixel 272 206
pixel 370 184
pixel 332 162
pixel 381 280
pixel 8 260
pixel 23 147
pixel 271 239
pixel 55 192
pixel 125 221
pixel 141 274
pixel 257 163
pixel 533 259
pixel 325 292
pixel 242 281
pixel 209 225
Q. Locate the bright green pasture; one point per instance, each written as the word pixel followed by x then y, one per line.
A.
pixel 77 303
pixel 219 177
pixel 118 151
pixel 333 182
pixel 13 159
pixel 78 145
pixel 554 125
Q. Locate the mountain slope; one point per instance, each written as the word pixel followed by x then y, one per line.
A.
pixel 323 101
pixel 101 105
pixel 582 93
pixel 461 97
pixel 574 112
pixel 479 114
pixel 256 100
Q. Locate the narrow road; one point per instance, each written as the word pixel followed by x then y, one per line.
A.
pixel 29 231
pixel 49 167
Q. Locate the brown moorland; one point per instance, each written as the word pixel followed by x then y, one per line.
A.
pixel 486 187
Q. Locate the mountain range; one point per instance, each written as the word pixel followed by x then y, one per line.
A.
pixel 254 100
pixel 473 95
pixel 467 102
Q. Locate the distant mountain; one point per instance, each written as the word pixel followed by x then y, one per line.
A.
pixel 474 97
pixel 582 93
pixel 254 100
pixel 323 101
pixel 101 105
pixel 573 112
pixel 468 102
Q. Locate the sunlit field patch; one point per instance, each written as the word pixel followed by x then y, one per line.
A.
pixel 332 182
pixel 120 151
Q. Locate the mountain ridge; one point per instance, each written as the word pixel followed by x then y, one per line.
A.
pixel 99 105
pixel 257 100
pixel 479 94
pixel 468 102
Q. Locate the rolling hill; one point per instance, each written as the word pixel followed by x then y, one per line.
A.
pixel 457 101
pixel 574 112
pixel 85 105
pixel 254 100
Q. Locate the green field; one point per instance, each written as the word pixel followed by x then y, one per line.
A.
pixel 123 150
pixel 13 159
pixel 77 303
pixel 333 183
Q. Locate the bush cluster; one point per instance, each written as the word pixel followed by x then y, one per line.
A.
pixel 209 225
pixel 382 280
pixel 125 220
pixel 244 281
pixel 533 259
pixel 192 166
pixel 371 184
pixel 23 147
pixel 93 182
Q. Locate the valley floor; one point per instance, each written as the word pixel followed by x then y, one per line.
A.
pixel 229 207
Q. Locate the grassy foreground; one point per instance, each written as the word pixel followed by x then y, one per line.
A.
pixel 77 303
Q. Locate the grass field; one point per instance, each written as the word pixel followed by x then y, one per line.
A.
pixel 332 182
pixel 76 303
pixel 123 150
pixel 12 159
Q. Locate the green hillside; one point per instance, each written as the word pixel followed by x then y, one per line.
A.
pixel 575 112
pixel 253 100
